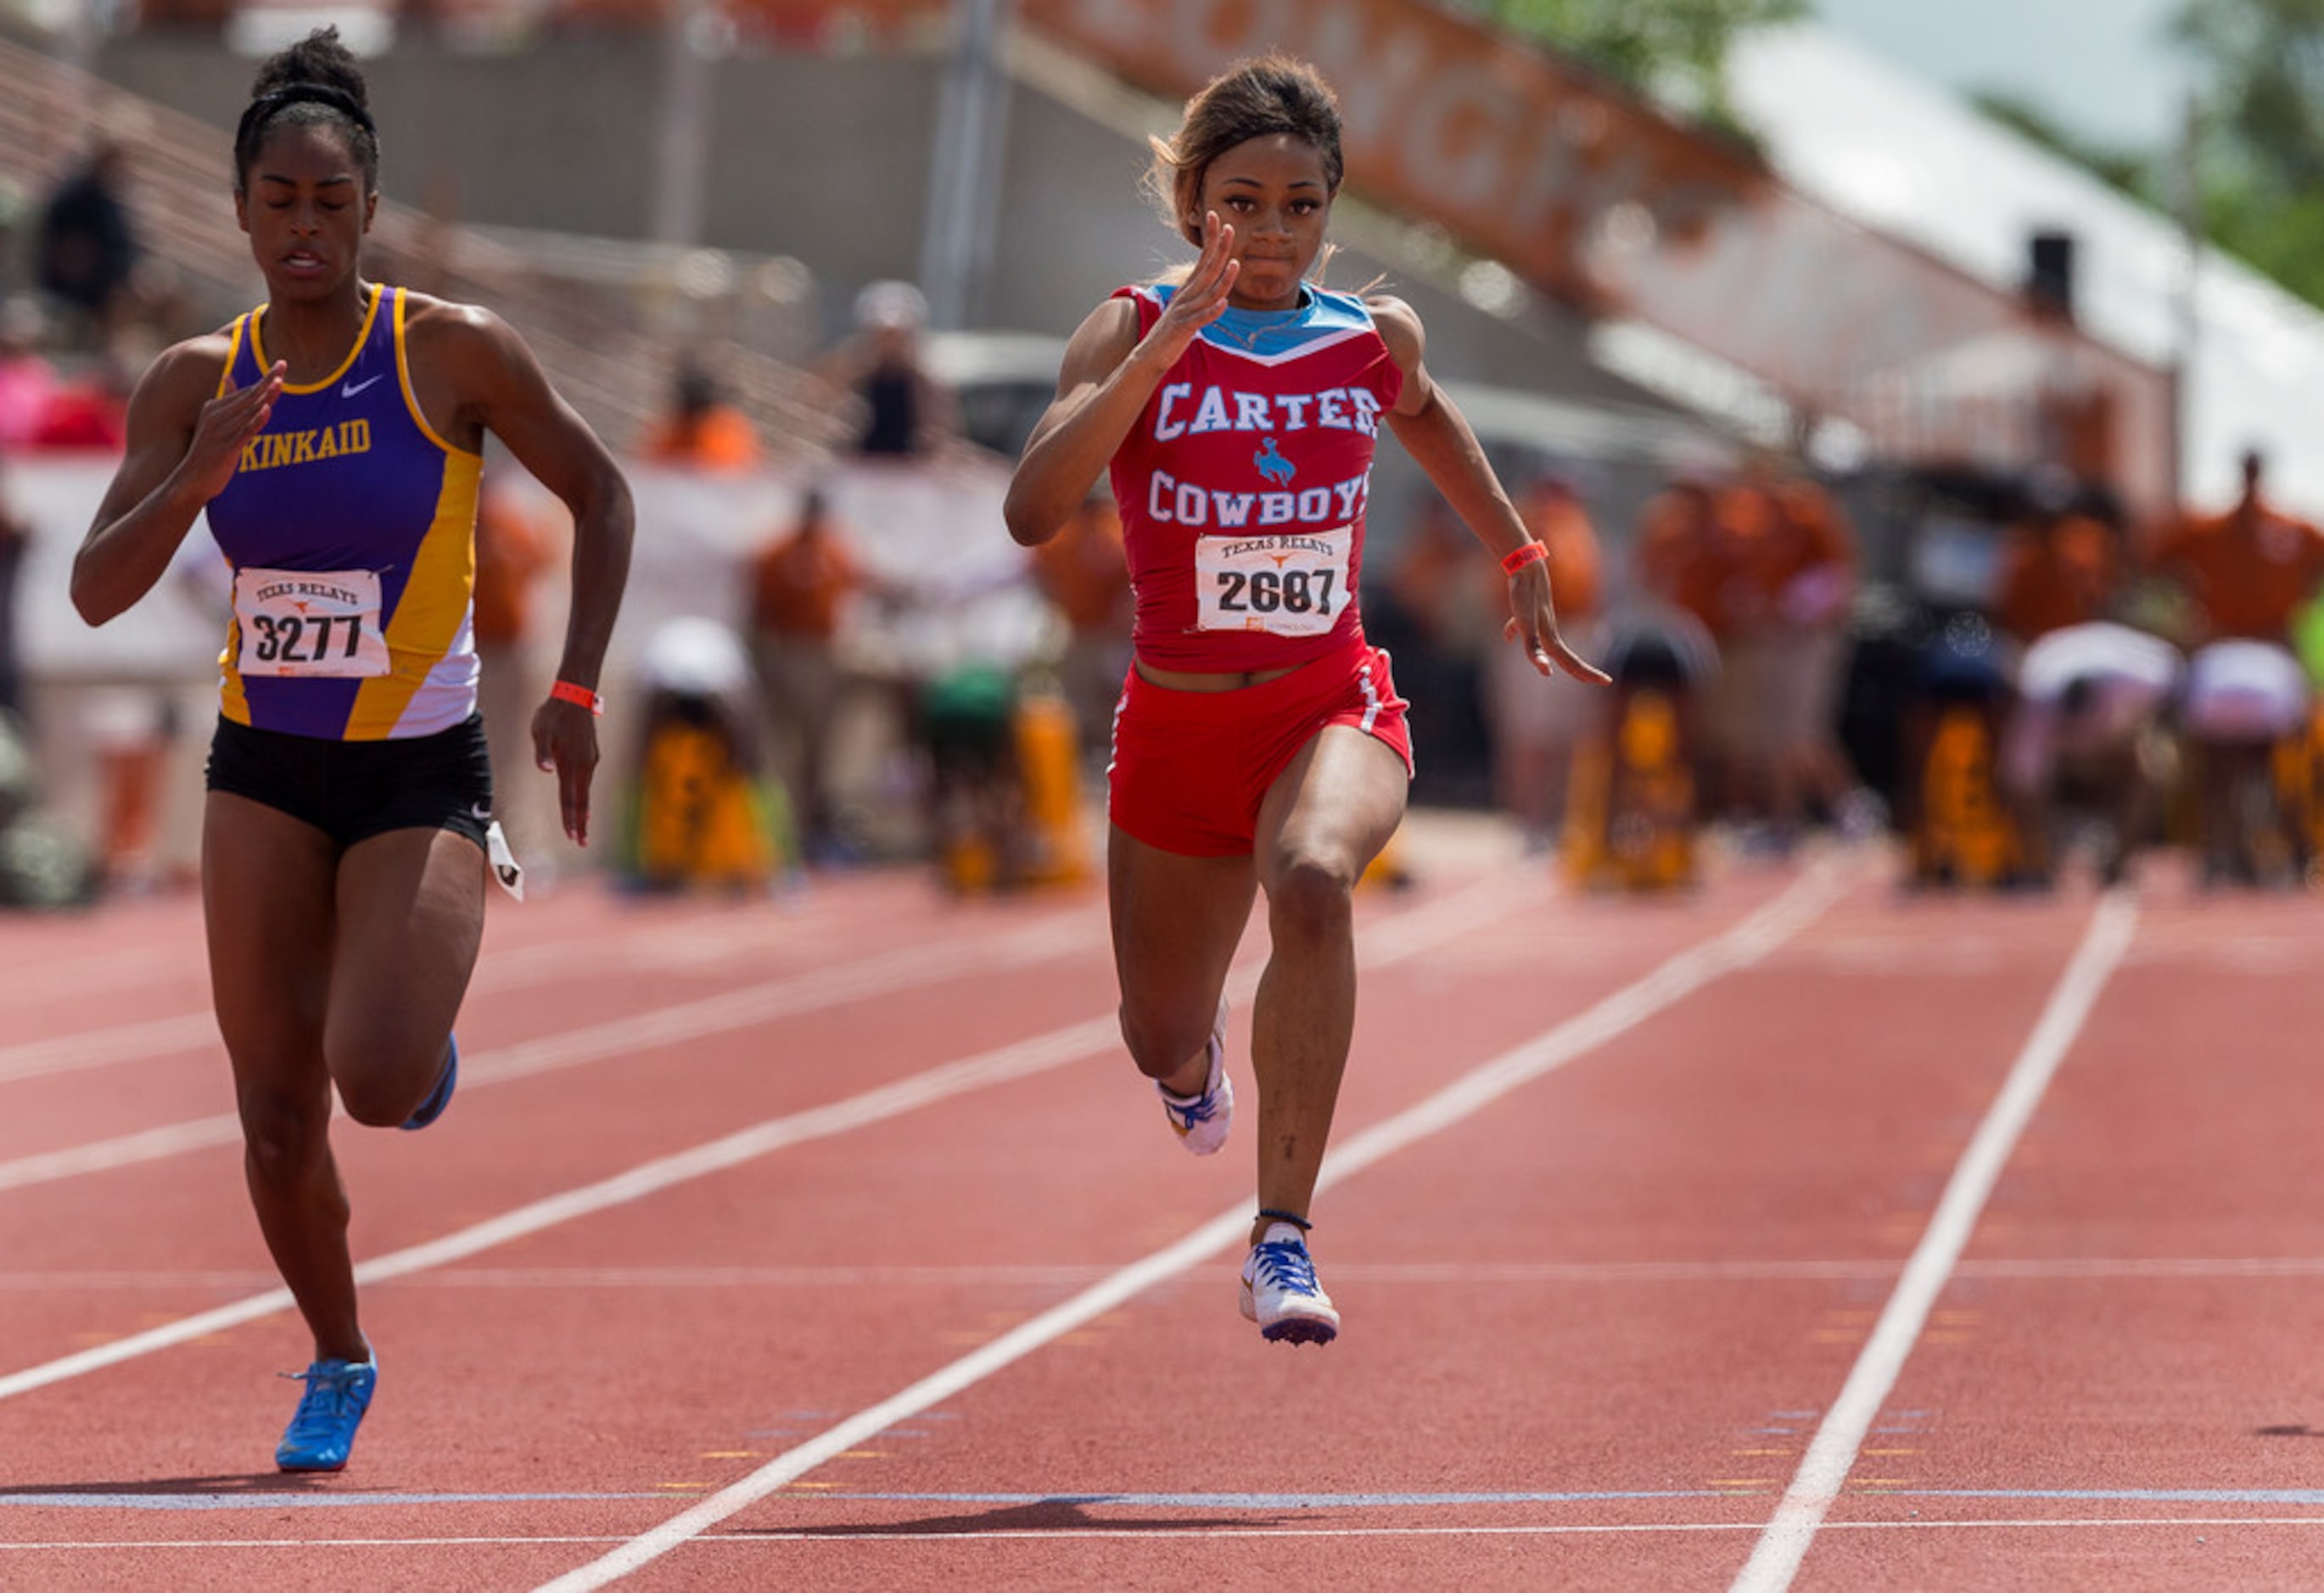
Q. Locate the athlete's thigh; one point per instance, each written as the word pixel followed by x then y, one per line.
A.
pixel 267 903
pixel 411 919
pixel 1334 805
pixel 1176 920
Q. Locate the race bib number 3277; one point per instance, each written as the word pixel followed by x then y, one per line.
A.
pixel 324 623
pixel 1292 584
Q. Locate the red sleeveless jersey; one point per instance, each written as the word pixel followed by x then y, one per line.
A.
pixel 1242 486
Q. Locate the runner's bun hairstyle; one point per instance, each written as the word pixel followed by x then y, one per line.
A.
pixel 314 83
pixel 1250 99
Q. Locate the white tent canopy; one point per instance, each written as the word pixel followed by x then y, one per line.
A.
pixel 1901 157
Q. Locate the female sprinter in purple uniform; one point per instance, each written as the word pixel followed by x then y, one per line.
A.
pixel 334 436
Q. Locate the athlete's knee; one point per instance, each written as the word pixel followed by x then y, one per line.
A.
pixel 1312 898
pixel 284 1134
pixel 1161 1042
pixel 380 1081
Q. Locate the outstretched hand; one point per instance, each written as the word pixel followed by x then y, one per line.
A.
pixel 565 740
pixel 224 428
pixel 1202 297
pixel 1532 624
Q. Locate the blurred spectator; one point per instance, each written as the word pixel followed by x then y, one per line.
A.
pixel 1534 722
pixel 512 554
pixel 976 810
pixel 2245 574
pixel 2245 571
pixel 1083 572
pixel 1431 616
pixel 800 584
pixel 903 411
pixel 1682 562
pixel 28 382
pixel 88 248
pixel 2088 729
pixel 2059 567
pixel 702 431
pixel 1792 561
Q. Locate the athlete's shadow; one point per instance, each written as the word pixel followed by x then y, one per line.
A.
pixel 1067 1513
pixel 163 1487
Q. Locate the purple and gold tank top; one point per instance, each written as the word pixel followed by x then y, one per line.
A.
pixel 351 529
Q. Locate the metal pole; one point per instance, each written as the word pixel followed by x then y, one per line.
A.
pixel 957 245
pixel 682 145
pixel 2188 201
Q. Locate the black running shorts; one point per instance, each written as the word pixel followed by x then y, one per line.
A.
pixel 354 790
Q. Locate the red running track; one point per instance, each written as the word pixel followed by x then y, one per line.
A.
pixel 1799 1235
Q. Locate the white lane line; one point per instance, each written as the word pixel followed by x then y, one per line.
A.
pixel 1130 1529
pixel 1522 1274
pixel 1442 920
pixel 806 991
pixel 1831 1454
pixel 1736 947
pixel 545 964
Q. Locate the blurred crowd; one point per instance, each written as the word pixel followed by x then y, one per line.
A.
pixel 2110 683
pixel 2110 687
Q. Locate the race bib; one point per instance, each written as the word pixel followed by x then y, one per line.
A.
pixel 1293 584
pixel 324 623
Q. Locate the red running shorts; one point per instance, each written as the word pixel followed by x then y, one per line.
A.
pixel 1190 769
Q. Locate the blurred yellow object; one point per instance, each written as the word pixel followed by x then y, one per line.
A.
pixel 1630 819
pixel 2300 781
pixel 1386 868
pixel 1965 835
pixel 699 820
pixel 1048 762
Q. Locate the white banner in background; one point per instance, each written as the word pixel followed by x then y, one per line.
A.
pixel 952 584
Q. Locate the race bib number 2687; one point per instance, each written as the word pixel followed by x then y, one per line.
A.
pixel 1292 584
pixel 324 623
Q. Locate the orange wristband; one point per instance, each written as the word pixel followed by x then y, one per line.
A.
pixel 565 691
pixel 1531 553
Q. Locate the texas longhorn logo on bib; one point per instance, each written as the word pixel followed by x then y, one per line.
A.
pixel 1293 584
pixel 322 624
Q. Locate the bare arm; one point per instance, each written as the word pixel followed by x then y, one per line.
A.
pixel 185 444
pixel 499 387
pixel 1437 436
pixel 1107 376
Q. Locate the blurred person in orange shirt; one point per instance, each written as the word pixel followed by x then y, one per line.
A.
pixel 512 554
pixel 2059 565
pixel 2245 574
pixel 802 581
pixel 1083 572
pixel 1682 562
pixel 1784 608
pixel 702 430
pixel 1534 723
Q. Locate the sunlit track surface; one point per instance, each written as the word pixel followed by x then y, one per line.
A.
pixel 1627 1191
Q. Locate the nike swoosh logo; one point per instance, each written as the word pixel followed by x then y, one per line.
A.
pixel 350 388
pixel 477 810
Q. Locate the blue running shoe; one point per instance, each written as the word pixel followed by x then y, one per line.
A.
pixel 322 1432
pixel 1280 1294
pixel 440 1097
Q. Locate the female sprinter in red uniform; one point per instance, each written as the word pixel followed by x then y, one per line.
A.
pixel 333 439
pixel 1260 743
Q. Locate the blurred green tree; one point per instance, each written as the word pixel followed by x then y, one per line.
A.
pixel 2259 166
pixel 1672 51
